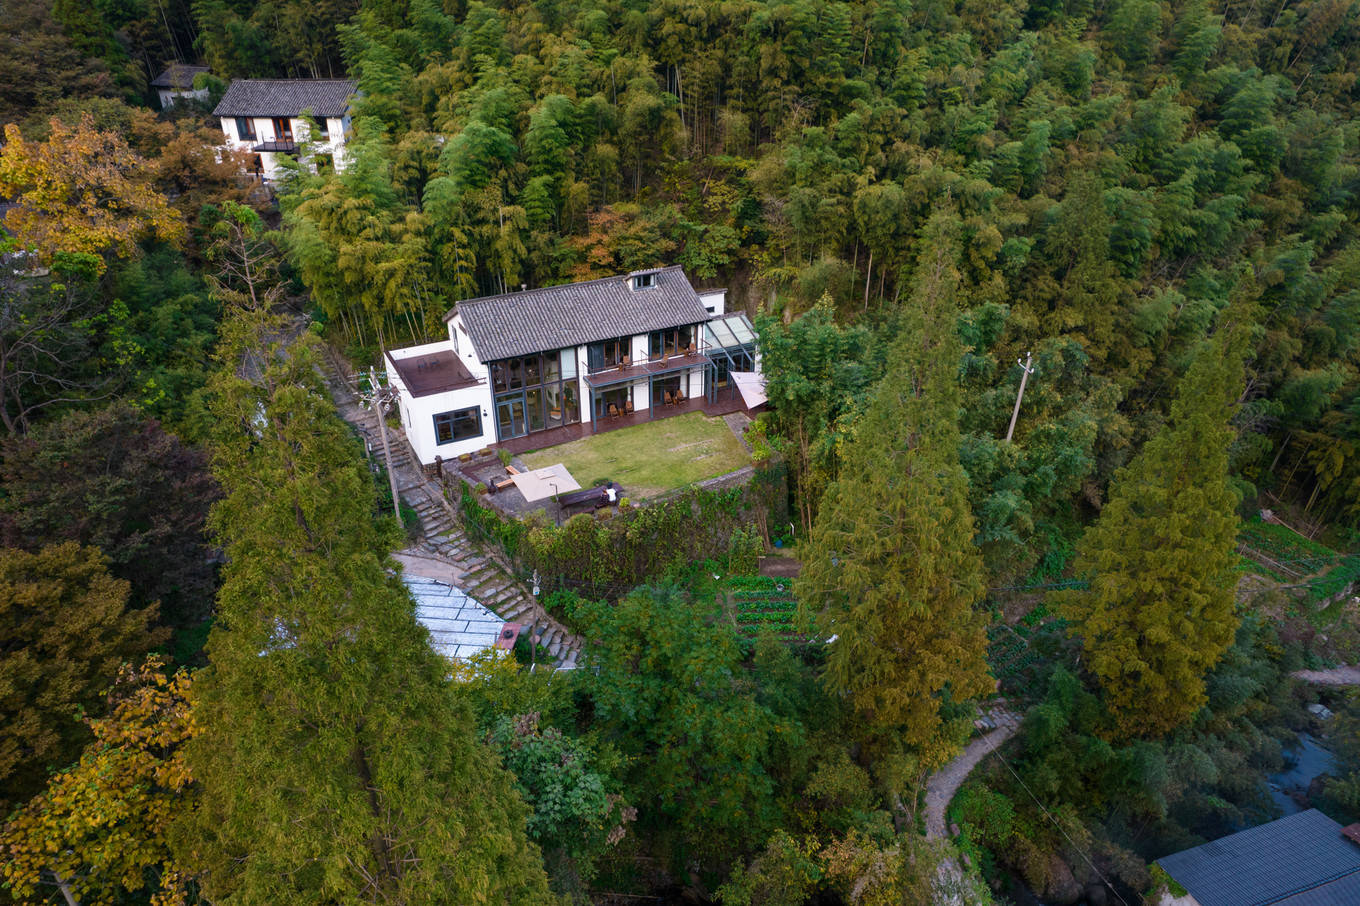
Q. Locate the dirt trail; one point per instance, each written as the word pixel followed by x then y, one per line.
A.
pixel 1336 676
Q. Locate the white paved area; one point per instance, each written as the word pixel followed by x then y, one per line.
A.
pixel 459 626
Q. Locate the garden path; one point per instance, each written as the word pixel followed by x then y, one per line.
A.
pixel 944 783
pixel 1336 676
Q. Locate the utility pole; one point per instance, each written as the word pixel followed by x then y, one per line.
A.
pixel 382 432
pixel 1026 371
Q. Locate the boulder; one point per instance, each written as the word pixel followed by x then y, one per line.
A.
pixel 1062 888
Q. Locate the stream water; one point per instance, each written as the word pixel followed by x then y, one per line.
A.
pixel 1306 761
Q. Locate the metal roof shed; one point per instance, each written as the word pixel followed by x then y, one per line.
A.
pixel 1300 860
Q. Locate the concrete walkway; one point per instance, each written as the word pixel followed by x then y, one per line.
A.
pixel 944 783
pixel 418 564
pixel 1336 676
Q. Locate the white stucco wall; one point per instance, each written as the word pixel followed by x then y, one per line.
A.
pixel 418 420
pixel 583 388
pixel 418 412
pixel 264 132
pixel 715 300
pixel 168 96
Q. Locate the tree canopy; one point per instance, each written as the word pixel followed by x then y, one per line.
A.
pixel 337 762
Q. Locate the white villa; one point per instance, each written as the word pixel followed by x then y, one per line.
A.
pixel 264 117
pixel 543 366
pixel 177 81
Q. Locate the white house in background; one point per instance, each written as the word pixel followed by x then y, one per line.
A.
pixel 264 117
pixel 583 357
pixel 177 81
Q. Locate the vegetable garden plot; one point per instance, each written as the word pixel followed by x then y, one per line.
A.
pixel 760 602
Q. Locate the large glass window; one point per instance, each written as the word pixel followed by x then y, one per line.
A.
pixel 609 353
pixel 245 129
pixel 283 129
pixel 535 392
pixel 533 401
pixel 510 416
pixel 614 402
pixel 673 341
pixel 666 390
pixel 461 424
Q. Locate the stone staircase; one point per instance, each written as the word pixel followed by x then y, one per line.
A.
pixel 486 579
pixel 481 575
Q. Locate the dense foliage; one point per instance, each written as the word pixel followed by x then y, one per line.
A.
pixel 907 197
pixel 892 572
pixel 100 829
pixel 336 761
pixel 1160 609
pixel 67 627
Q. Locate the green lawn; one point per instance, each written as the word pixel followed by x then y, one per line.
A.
pixel 649 459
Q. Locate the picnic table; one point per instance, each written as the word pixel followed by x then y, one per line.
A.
pixel 589 499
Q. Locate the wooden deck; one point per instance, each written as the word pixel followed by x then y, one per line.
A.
pixel 730 401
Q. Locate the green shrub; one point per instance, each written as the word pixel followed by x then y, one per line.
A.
pixel 990 815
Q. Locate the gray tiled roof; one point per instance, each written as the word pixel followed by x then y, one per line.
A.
pixel 556 317
pixel 178 75
pixel 1301 860
pixel 287 97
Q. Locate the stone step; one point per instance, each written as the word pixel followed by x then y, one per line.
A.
pixel 481 573
pixel 515 611
pixel 494 585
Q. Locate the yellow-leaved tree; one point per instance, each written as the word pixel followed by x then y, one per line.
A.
pixel 98 832
pixel 82 190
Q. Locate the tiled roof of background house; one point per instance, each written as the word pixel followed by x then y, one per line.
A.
pixel 556 317
pixel 178 75
pixel 1301 860
pixel 287 97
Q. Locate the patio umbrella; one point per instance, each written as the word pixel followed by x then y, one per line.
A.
pixel 752 387
pixel 541 484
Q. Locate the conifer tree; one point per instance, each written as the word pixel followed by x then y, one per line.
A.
pixel 337 762
pixel 1159 611
pixel 893 572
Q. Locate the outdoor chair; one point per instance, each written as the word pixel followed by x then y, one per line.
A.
pixel 613 411
pixel 628 407
pixel 669 399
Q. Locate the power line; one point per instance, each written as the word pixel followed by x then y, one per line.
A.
pixel 1050 817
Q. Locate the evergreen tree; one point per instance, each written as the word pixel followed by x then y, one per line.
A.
pixel 142 498
pixel 893 572
pixel 664 675
pixel 65 626
pixel 338 763
pixel 1159 611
